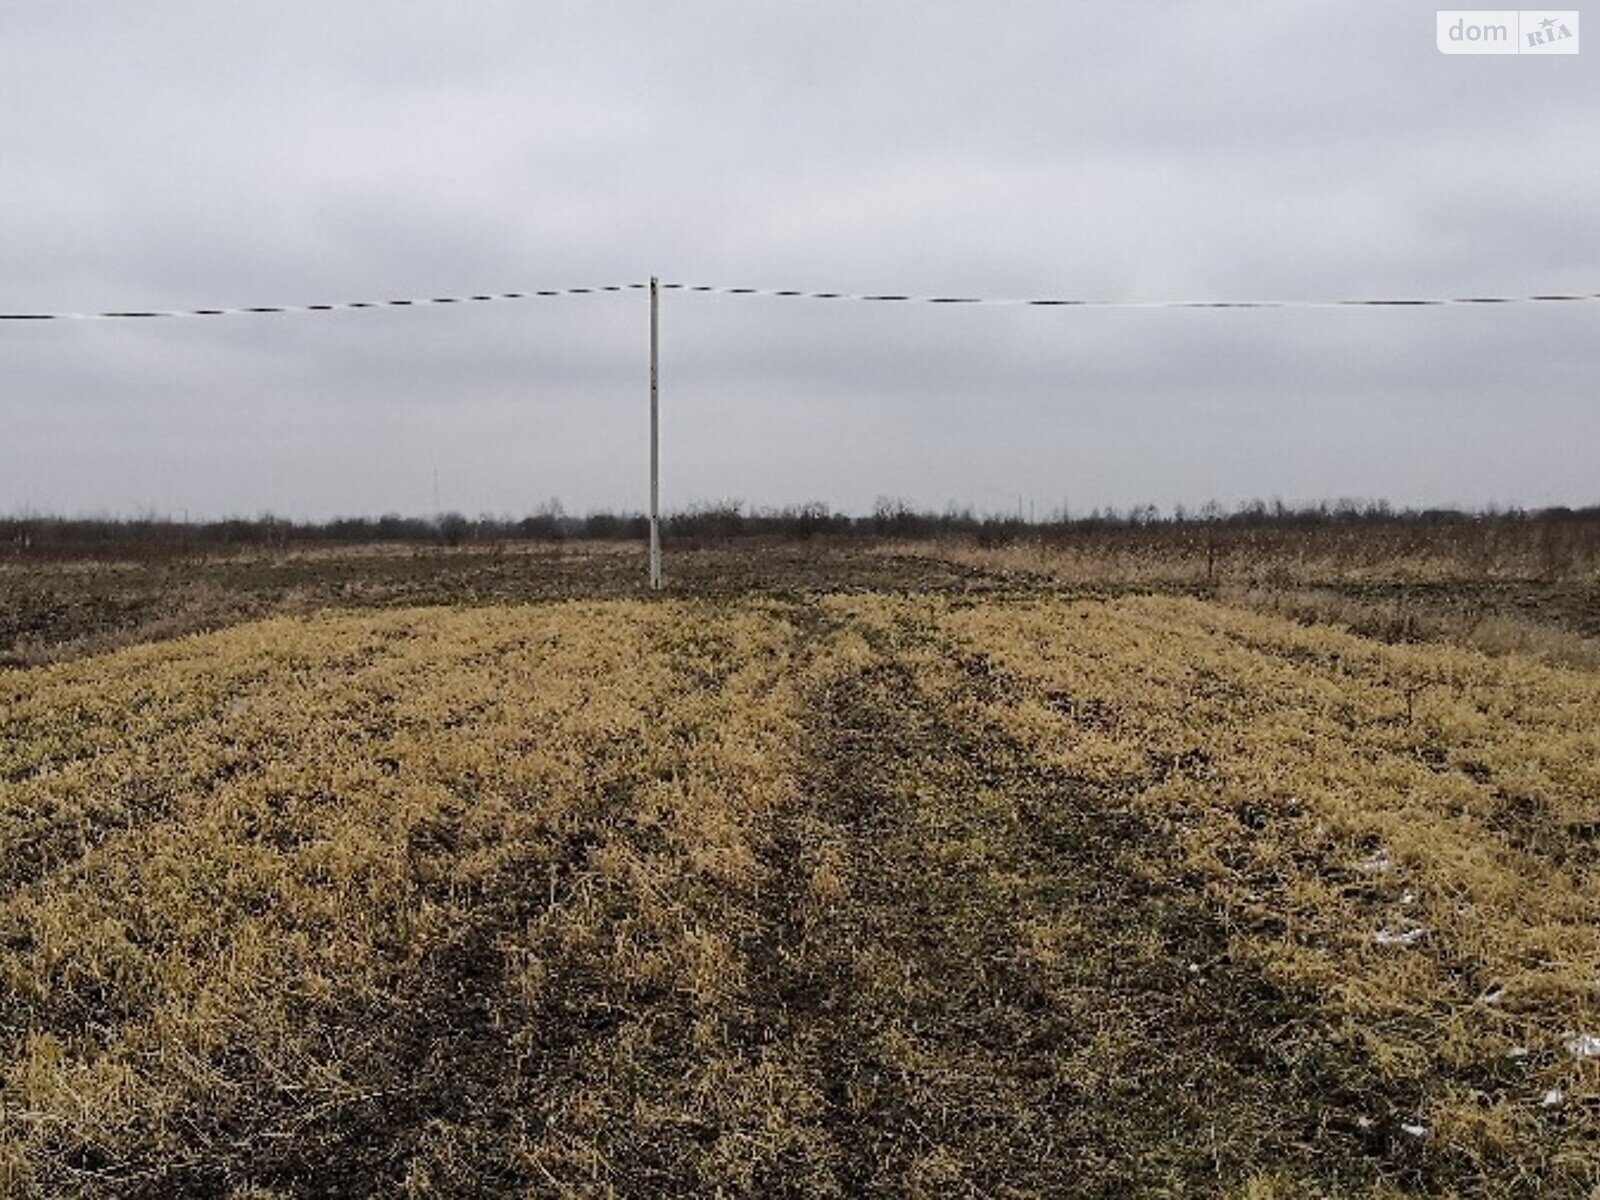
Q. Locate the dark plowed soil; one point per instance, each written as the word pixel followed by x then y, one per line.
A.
pixel 52 611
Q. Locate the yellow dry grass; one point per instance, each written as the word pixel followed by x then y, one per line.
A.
pixel 1434 591
pixel 221 851
pixel 1412 552
pixel 1410 832
pixel 849 894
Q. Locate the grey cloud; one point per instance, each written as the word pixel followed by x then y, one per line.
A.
pixel 185 154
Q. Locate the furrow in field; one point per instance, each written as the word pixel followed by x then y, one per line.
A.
pixel 969 968
pixel 1405 834
pixel 822 896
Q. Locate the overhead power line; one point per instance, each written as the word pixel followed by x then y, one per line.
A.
pixel 891 297
pixel 655 287
pixel 795 293
pixel 345 306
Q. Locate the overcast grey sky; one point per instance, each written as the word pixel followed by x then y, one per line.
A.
pixel 172 154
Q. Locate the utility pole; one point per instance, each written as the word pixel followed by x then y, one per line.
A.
pixel 655 436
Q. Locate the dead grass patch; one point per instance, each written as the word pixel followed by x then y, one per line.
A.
pixel 1008 895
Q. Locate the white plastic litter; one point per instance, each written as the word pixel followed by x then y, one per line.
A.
pixel 1552 1098
pixel 1518 1052
pixel 1493 997
pixel 1377 864
pixel 1583 1045
pixel 1392 937
pixel 1415 1131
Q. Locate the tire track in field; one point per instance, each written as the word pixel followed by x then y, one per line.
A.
pixel 986 1001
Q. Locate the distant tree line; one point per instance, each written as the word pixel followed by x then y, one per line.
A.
pixel 30 535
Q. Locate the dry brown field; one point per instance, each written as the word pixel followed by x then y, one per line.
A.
pixel 919 870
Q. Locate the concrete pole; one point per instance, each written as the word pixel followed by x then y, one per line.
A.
pixel 655 436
